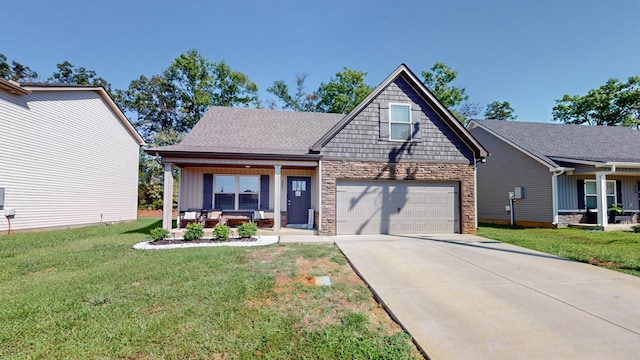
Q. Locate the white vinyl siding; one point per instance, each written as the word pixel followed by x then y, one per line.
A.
pixel 66 160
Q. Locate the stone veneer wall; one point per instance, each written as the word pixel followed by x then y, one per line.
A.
pixel 333 170
pixel 566 219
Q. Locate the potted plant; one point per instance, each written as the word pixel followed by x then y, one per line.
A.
pixel 615 209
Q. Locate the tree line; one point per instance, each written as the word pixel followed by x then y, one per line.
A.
pixel 164 107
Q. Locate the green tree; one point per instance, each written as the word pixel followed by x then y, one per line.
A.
pixel 454 98
pixel 301 101
pixel 69 74
pixel 615 103
pixel 500 110
pixel 175 100
pixel 340 95
pixel 343 92
pixel 167 106
pixel 15 71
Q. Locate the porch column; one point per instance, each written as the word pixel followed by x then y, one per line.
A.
pixel 601 194
pixel 277 217
pixel 167 201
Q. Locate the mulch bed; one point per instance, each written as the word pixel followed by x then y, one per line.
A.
pixel 201 241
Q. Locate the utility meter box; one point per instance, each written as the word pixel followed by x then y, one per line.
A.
pixel 10 212
pixel 518 192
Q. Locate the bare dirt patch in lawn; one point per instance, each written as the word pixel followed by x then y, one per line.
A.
pixel 295 291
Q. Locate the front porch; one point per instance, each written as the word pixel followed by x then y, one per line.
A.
pixel 598 195
pixel 277 194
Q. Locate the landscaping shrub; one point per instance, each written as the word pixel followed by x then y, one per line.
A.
pixel 636 228
pixel 247 230
pixel 221 232
pixel 158 234
pixel 193 231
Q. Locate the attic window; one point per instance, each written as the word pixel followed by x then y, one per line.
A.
pixel 400 122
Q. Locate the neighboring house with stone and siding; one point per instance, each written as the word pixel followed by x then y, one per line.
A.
pixel 398 163
pixel 569 173
pixel 68 157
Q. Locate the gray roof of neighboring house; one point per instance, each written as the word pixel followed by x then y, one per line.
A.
pixel 255 131
pixel 578 142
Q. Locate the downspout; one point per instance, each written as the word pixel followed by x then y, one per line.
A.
pixel 475 192
pixel 554 193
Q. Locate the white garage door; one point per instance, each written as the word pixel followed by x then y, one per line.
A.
pixel 395 207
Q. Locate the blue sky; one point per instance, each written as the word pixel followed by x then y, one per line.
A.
pixel 529 53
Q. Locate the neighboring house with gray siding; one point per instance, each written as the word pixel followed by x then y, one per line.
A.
pixel 68 156
pixel 399 162
pixel 569 173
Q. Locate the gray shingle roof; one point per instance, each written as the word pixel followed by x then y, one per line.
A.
pixel 578 142
pixel 256 131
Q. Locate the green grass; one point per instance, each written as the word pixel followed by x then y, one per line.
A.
pixel 85 294
pixel 617 250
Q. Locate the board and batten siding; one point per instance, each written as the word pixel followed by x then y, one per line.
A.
pixel 66 160
pixel 568 191
pixel 360 140
pixel 192 184
pixel 506 168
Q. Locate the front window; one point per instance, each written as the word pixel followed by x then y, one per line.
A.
pixel 236 192
pixel 590 195
pixel 249 191
pixel 224 198
pixel 400 122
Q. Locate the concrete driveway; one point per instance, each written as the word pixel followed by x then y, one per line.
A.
pixel 466 297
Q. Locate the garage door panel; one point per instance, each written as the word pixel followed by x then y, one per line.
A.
pixel 396 208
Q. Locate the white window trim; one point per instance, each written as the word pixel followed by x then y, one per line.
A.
pixel 615 190
pixel 391 104
pixel 236 192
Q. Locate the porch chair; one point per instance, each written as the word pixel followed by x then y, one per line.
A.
pixel 212 218
pixel 263 220
pixel 188 217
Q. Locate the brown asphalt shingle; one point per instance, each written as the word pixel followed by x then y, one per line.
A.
pixel 256 131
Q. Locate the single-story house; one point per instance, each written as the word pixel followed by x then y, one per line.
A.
pixel 565 173
pixel 68 155
pixel 399 162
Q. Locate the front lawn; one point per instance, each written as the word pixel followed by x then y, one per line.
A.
pixel 85 294
pixel 618 250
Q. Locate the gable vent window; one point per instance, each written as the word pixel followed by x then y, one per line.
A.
pixel 400 122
